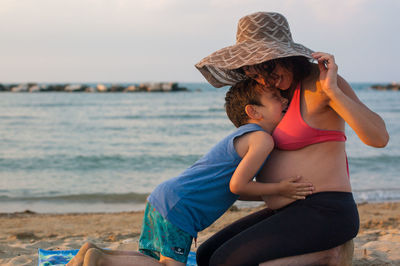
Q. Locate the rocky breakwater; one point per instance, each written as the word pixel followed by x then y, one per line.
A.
pixel 383 87
pixel 143 87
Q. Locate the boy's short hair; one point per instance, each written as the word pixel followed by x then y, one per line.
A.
pixel 238 96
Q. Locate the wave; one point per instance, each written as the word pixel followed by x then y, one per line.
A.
pixel 62 104
pixel 377 195
pixel 13 117
pixel 389 109
pixel 383 158
pixel 97 162
pixel 363 195
pixel 83 198
pixel 165 116
pixel 217 110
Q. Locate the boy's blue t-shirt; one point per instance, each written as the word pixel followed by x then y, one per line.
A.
pixel 200 195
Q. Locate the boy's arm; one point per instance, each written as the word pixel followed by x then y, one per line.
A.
pixel 250 198
pixel 259 145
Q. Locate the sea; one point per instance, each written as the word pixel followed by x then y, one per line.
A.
pixel 105 152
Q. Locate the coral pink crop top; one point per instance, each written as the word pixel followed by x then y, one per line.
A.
pixel 293 133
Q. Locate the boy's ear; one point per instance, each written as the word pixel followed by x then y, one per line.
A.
pixel 252 112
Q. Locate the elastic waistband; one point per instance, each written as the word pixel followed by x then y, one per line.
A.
pixel 334 196
pixel 331 195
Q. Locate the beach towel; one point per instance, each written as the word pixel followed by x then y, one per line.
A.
pixel 62 257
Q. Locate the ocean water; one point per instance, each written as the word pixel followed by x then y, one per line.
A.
pixel 92 152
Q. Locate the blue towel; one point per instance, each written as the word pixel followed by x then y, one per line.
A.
pixel 55 257
pixel 62 257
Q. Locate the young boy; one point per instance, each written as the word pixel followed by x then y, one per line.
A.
pixel 180 207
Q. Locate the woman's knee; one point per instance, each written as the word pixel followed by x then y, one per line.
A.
pixel 216 260
pixel 229 257
pixel 203 254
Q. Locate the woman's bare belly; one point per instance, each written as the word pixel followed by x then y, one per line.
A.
pixel 323 165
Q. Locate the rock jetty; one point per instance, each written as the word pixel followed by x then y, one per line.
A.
pixel 143 87
pixel 382 87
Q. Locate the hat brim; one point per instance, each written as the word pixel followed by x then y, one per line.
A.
pixel 219 68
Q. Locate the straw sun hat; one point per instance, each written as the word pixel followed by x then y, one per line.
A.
pixel 260 37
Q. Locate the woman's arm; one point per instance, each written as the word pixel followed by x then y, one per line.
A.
pixel 368 126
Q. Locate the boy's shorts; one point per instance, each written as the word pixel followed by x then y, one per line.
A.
pixel 159 236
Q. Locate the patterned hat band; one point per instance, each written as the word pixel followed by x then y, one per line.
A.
pixel 260 37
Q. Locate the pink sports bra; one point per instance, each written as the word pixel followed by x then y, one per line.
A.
pixel 293 133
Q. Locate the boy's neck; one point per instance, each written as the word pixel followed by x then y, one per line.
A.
pixel 268 127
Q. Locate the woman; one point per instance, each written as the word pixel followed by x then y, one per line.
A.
pixel 309 141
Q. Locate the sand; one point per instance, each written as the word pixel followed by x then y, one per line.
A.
pixel 21 234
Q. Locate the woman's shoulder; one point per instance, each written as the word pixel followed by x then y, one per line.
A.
pixel 315 99
pixel 310 86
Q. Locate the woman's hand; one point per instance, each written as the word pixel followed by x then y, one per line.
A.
pixel 327 72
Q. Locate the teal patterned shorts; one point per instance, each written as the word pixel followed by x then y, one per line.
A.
pixel 159 236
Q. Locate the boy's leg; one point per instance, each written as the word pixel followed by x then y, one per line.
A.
pixel 79 257
pixel 163 240
pixel 341 255
pixel 95 257
pixel 170 262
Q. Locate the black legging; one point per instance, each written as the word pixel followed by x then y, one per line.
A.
pixel 322 221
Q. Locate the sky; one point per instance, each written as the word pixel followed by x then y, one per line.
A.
pixel 161 40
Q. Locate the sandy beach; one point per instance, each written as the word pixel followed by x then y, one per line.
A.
pixel 21 234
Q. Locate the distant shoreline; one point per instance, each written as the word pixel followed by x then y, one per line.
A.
pixel 91 88
pixel 118 87
pixel 390 86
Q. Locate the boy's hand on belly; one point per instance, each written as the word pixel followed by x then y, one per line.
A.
pixel 292 188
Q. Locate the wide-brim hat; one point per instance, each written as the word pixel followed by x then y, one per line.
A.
pixel 260 37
